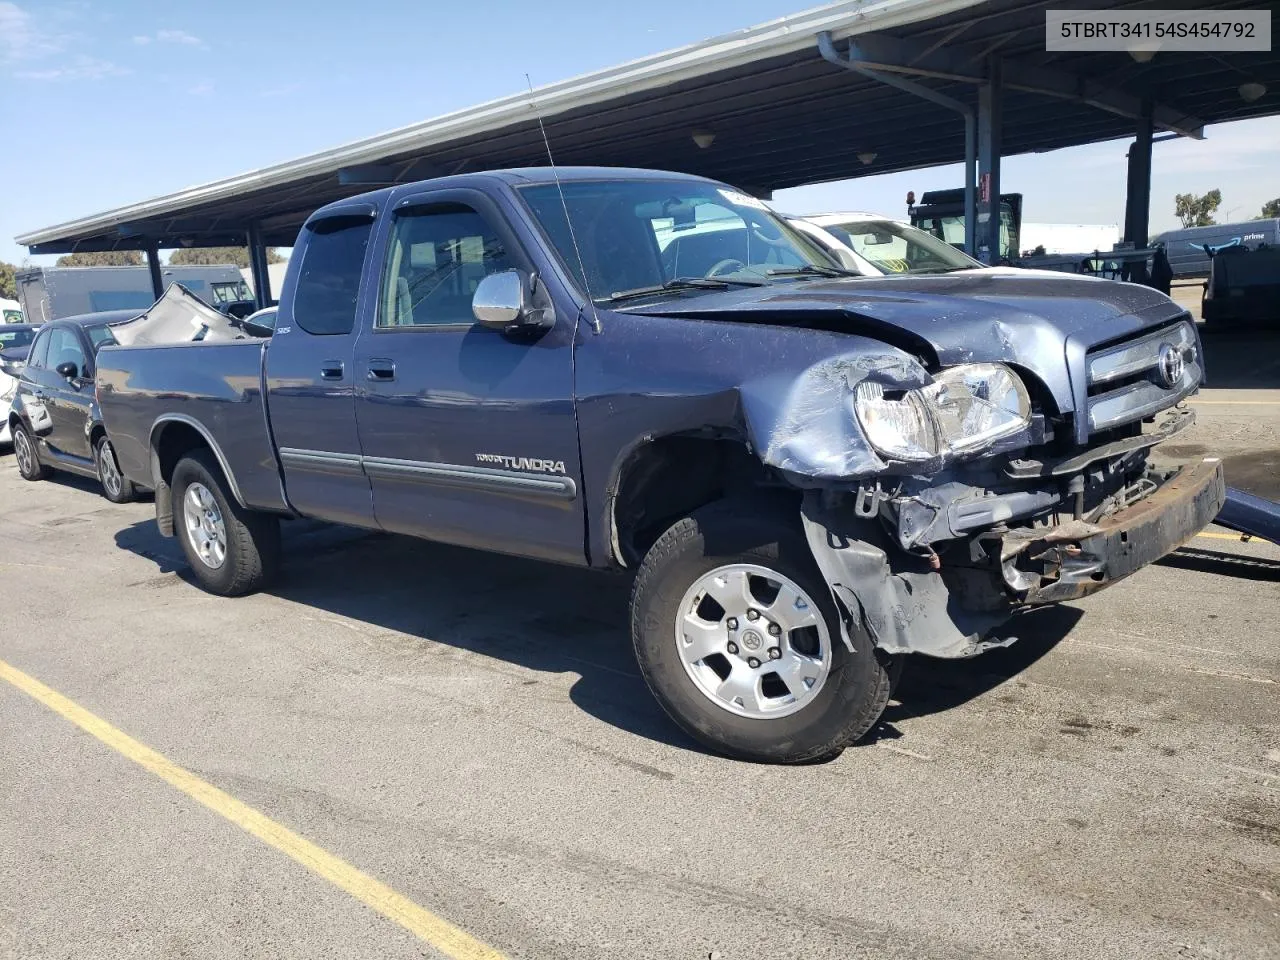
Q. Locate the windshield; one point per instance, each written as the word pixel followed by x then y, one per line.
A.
pixel 99 336
pixel 951 229
pixel 640 235
pixel 231 292
pixel 16 338
pixel 898 248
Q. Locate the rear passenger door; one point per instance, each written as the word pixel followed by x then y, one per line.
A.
pixel 310 374
pixel 469 437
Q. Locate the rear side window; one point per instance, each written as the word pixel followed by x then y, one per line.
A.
pixel 100 336
pixel 324 302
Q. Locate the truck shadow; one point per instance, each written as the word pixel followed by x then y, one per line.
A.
pixel 931 686
pixel 545 618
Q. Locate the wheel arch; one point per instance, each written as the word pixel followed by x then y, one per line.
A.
pixel 661 479
pixel 174 435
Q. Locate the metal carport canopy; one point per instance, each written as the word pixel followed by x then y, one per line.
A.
pixel 781 115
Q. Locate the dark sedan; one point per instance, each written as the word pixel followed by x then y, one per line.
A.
pixel 54 416
pixel 15 340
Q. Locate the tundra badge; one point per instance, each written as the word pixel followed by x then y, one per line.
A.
pixel 532 464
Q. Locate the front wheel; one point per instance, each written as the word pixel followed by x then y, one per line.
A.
pixel 231 550
pixel 24 451
pixel 115 486
pixel 739 639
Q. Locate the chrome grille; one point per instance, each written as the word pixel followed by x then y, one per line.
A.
pixel 1140 377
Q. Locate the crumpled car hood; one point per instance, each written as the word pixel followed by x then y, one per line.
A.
pixel 177 317
pixel 1023 317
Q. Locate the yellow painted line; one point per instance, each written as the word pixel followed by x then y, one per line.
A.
pixel 451 941
pixel 1237 537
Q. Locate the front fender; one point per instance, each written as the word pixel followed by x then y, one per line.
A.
pixel 804 423
pixel 31 413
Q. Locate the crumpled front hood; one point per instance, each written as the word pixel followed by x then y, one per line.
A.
pixel 1021 317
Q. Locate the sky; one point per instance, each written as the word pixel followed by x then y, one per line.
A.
pixel 108 102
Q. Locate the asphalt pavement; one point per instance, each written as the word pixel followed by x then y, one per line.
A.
pixel 183 775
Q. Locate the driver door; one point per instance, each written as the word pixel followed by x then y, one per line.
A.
pixel 469 437
pixel 68 399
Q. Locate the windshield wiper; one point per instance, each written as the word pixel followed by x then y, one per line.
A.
pixel 811 270
pixel 684 283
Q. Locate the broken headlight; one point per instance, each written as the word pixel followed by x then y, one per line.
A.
pixel 966 408
pixel 896 422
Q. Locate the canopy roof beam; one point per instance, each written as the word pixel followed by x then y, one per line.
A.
pixel 827 48
pixel 964 65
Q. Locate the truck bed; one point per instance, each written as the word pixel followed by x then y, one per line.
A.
pixel 215 388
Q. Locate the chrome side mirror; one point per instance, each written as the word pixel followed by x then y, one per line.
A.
pixel 501 300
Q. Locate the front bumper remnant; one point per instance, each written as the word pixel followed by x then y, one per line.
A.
pixel 903 607
pixel 1074 559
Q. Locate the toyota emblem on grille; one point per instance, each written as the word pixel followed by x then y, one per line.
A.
pixel 1170 367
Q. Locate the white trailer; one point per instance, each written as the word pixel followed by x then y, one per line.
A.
pixel 1069 237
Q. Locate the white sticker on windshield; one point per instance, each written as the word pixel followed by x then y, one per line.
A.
pixel 742 199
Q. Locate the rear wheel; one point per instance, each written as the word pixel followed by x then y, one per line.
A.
pixel 115 486
pixel 24 451
pixel 232 551
pixel 739 639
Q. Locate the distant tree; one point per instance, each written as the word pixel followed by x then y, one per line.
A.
pixel 1196 211
pixel 1269 209
pixel 239 256
pixel 109 258
pixel 8 286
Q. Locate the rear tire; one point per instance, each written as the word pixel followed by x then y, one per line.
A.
pixel 116 487
pixel 24 450
pixel 231 550
pixel 718 546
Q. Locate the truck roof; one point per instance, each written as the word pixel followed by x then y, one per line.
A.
pixel 521 176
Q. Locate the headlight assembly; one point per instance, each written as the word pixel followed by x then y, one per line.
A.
pixel 896 424
pixel 966 408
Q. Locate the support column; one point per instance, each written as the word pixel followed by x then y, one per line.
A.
pixel 990 102
pixel 258 267
pixel 827 48
pixel 153 263
pixel 970 184
pixel 1137 207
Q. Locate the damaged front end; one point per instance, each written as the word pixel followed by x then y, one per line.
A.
pixel 934 557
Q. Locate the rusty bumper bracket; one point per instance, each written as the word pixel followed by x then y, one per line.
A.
pixel 1077 558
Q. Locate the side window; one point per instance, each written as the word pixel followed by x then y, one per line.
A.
pixel 64 347
pixel 436 259
pixel 39 350
pixel 324 302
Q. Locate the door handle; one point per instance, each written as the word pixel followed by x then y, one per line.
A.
pixel 331 369
pixel 380 369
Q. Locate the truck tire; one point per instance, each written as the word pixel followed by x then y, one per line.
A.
pixel 24 450
pixel 231 550
pixel 739 639
pixel 116 487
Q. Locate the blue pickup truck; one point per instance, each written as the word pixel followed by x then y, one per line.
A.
pixel 810 473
